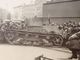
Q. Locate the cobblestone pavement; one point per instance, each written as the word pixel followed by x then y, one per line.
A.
pixel 8 52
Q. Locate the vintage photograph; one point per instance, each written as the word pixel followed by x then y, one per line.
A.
pixel 39 29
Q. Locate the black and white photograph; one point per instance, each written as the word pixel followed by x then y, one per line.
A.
pixel 39 29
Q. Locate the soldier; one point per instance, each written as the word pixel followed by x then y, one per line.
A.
pixel 74 45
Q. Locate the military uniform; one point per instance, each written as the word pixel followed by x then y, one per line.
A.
pixel 74 45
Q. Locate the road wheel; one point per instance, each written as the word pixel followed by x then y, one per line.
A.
pixel 57 40
pixel 46 42
pixel 2 40
pixel 10 36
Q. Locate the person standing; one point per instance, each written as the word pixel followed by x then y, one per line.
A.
pixel 73 44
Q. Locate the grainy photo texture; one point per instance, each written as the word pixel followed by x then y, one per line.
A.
pixel 39 29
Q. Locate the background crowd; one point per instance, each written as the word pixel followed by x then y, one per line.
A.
pixel 69 28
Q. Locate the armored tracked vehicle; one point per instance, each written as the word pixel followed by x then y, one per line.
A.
pixel 32 35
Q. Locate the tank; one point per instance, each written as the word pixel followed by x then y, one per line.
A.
pixel 47 35
pixel 31 35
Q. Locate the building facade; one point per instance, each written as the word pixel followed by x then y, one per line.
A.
pixel 18 12
pixel 30 11
pixel 4 14
pixel 39 7
pixel 49 11
pixel 62 11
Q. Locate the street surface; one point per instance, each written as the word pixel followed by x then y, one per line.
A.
pixel 11 52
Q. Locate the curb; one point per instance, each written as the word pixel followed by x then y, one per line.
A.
pixel 66 50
